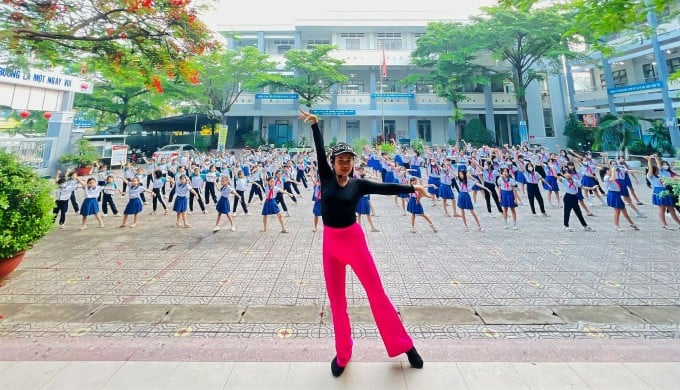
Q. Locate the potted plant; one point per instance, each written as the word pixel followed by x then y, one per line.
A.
pixel 25 210
pixel 83 159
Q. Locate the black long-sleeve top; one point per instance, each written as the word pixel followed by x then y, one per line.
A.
pixel 338 204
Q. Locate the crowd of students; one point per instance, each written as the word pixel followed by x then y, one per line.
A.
pixel 461 179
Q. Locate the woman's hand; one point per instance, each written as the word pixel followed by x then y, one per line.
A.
pixel 308 117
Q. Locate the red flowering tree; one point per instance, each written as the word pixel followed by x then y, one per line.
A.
pixel 157 37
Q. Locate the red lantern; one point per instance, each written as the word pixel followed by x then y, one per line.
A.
pixel 47 115
pixel 24 114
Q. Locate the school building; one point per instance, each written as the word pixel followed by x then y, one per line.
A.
pixel 375 107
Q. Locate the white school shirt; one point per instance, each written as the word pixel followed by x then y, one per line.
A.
pixel 182 191
pixel 570 188
pixel 506 185
pixel 225 191
pixel 211 177
pixel 241 184
pixel 110 188
pixel 64 192
pixel 612 185
pixel 135 191
pixel 92 192
pixel 158 183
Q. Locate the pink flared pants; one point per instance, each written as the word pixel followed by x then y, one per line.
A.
pixel 347 246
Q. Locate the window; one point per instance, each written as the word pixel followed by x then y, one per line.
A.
pixel 283 42
pixel 620 78
pixel 425 130
pixel 389 128
pixel 389 35
pixel 352 44
pixel 353 130
pixel 351 35
pixel 422 87
pixel 649 72
pixel 389 44
pixel 673 65
pixel 354 86
pixel 280 49
pixel 548 120
pixel 314 42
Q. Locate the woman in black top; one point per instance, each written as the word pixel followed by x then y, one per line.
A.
pixel 344 244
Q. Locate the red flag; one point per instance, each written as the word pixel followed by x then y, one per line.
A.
pixel 384 64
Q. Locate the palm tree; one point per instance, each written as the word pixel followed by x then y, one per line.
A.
pixel 658 134
pixel 616 131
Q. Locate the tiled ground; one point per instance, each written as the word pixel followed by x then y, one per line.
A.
pixel 538 265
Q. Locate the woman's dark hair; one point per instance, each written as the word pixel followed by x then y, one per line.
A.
pixel 157 173
pixel 603 171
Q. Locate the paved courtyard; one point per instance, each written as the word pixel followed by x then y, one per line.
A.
pixel 163 293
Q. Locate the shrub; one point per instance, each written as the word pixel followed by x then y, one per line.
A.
pixel 253 139
pixel 418 145
pixel 358 144
pixel 638 147
pixel 386 148
pixel 476 133
pixel 25 206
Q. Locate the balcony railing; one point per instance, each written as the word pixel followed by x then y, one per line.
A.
pixel 474 100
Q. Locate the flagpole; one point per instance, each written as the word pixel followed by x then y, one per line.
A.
pixel 383 69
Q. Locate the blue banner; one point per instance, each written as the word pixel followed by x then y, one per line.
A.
pixel 635 87
pixel 523 133
pixel 277 96
pixel 335 112
pixel 393 95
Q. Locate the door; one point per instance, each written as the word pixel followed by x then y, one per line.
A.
pixel 390 129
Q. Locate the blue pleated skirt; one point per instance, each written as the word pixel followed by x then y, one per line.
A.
pixel 223 205
pixel 446 192
pixel 519 177
pixel 133 207
pixel 614 200
pixel 317 209
pixel 180 205
pixel 90 206
pixel 389 177
pixel 662 200
pixel 437 182
pixel 464 201
pixel 587 181
pixel 508 199
pixel 270 207
pixel 552 184
pixel 624 187
pixel 364 206
pixel 579 194
pixel 414 207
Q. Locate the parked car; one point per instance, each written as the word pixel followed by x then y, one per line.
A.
pixel 174 150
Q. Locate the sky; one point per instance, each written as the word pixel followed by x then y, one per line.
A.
pixel 247 12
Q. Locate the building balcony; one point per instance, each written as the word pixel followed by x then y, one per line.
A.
pixel 362 101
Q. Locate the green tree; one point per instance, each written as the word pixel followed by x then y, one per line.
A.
pixel 161 35
pixel 579 136
pixel 316 71
pixel 597 19
pixel 476 133
pixel 616 132
pixel 522 35
pixel 449 54
pixel 120 95
pixel 224 76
